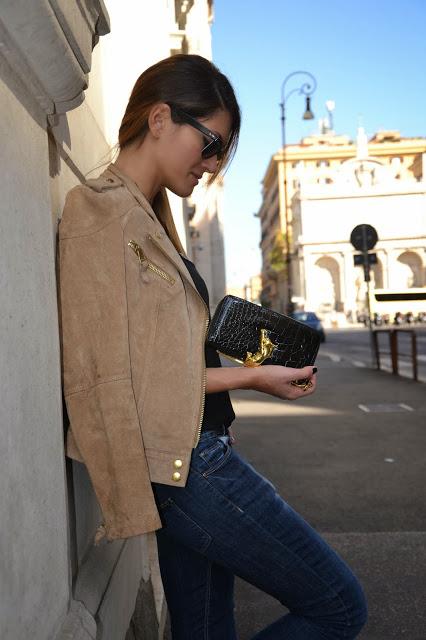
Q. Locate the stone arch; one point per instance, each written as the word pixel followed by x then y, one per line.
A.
pixel 409 270
pixel 326 290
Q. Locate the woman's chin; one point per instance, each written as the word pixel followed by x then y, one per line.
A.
pixel 182 192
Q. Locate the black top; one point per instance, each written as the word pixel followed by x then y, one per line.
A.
pixel 218 409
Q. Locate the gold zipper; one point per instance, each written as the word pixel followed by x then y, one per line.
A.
pixel 203 389
pixel 150 265
pixel 160 272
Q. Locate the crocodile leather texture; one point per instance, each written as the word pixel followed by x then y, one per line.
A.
pixel 236 326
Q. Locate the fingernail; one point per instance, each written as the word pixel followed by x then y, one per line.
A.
pixel 314 370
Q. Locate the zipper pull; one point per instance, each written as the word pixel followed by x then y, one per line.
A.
pixel 138 250
pixel 143 260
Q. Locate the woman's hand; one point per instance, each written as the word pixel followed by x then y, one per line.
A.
pixel 272 379
pixel 279 381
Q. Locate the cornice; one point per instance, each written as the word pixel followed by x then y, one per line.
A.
pixel 48 45
pixel 318 152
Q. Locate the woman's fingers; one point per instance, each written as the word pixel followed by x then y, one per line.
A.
pixel 286 382
pixel 301 388
pixel 305 373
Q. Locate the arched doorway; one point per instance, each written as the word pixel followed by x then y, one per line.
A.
pixel 326 295
pixel 408 271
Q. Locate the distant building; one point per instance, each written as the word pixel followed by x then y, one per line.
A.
pixel 250 291
pixel 333 185
pixel 205 243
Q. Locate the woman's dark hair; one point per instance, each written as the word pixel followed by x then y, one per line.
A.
pixel 196 86
pixel 187 81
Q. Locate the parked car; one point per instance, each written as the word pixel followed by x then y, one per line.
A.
pixel 311 319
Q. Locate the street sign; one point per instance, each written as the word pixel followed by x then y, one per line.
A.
pixel 359 258
pixel 364 237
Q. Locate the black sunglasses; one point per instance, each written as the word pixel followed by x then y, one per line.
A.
pixel 213 144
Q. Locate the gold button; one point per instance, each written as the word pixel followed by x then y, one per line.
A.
pixel 177 464
pixel 159 234
pixel 176 476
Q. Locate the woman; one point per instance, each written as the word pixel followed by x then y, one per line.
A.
pixel 149 405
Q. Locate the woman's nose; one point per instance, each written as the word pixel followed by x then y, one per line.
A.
pixel 210 164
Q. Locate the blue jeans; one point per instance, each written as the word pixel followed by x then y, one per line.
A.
pixel 229 520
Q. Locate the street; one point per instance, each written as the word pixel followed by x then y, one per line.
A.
pixel 350 459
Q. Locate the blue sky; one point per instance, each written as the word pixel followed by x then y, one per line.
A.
pixel 369 56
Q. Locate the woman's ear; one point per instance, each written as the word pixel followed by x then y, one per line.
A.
pixel 159 118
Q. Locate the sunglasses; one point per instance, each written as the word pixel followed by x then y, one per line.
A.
pixel 213 144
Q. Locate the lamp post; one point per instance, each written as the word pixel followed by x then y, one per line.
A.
pixel 307 88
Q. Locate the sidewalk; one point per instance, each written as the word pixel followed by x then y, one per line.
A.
pixel 351 460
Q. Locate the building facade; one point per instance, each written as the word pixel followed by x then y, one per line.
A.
pixel 66 71
pixel 332 186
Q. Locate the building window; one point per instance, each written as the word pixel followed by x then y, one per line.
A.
pixel 322 163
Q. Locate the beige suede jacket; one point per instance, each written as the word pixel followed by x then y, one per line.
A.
pixel 133 329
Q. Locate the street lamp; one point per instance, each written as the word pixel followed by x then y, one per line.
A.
pixel 306 89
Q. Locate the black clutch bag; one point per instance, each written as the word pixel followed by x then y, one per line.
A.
pixel 254 335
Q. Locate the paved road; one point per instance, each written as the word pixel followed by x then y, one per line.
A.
pixel 358 477
pixel 354 345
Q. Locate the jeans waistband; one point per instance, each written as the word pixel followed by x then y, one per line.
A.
pixel 214 432
pixel 220 430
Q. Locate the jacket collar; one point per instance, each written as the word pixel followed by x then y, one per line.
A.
pixel 134 190
pixel 168 248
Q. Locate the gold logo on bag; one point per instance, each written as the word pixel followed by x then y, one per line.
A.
pixel 264 352
pixel 255 360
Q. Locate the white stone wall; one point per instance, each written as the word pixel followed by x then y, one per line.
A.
pixel 139 37
pixel 385 211
pixel 34 565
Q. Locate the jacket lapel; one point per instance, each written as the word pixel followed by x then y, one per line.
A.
pixel 167 248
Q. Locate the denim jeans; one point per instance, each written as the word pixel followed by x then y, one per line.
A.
pixel 229 520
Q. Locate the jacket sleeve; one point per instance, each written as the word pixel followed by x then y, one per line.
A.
pixel 97 376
